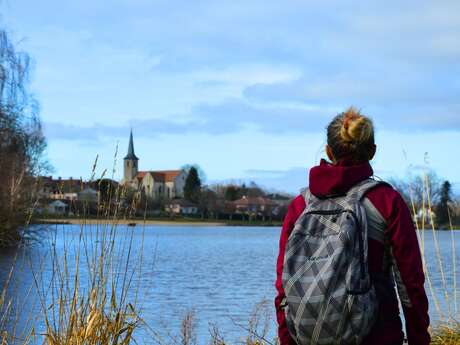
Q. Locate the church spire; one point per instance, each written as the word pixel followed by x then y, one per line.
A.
pixel 131 154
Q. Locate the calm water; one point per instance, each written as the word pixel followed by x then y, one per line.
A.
pixel 221 273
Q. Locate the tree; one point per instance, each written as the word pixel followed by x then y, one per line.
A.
pixel 231 193
pixel 201 173
pixel 22 142
pixel 208 203
pixel 442 209
pixel 192 188
pixel 107 188
pixel 254 190
pixel 416 189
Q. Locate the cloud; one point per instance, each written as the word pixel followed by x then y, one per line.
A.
pixel 412 104
pixel 245 75
pixel 97 131
pixel 232 116
pixel 226 66
pixel 374 86
pixel 292 180
pixel 236 115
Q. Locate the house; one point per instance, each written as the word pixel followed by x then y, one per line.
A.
pixel 181 206
pixel 279 207
pixel 59 189
pixel 155 184
pixel 57 207
pixel 89 195
pixel 253 205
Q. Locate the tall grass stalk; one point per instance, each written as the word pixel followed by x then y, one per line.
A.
pixel 98 310
pixel 90 296
pixel 445 328
pixel 454 262
pixel 421 238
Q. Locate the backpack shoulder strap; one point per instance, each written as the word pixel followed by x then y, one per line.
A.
pixel 358 191
pixel 306 194
pixel 375 221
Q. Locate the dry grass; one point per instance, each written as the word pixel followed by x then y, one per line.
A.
pixel 446 335
pixel 101 314
pixel 445 329
pixel 100 308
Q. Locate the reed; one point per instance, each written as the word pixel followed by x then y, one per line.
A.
pixel 97 307
pixel 445 328
pixel 96 311
pixel 446 335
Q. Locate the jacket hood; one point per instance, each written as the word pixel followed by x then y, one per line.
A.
pixel 328 179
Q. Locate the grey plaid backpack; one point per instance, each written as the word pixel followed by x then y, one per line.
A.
pixel 329 295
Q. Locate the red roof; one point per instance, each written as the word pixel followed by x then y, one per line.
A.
pixel 161 175
pixel 244 201
pixel 141 174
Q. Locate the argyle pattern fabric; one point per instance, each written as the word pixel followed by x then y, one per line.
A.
pixel 329 295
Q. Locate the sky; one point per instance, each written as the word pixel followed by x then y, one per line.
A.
pixel 245 88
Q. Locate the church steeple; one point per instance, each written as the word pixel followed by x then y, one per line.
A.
pixel 131 154
pixel 130 162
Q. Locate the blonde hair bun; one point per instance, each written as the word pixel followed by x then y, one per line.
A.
pixel 356 128
pixel 351 135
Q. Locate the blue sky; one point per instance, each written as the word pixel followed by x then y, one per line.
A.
pixel 242 88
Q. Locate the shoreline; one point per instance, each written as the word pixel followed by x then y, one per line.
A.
pixel 140 222
pixel 173 222
pixel 166 222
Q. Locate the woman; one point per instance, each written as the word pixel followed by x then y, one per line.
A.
pixel 392 241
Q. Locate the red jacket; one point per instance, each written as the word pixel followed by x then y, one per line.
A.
pixel 327 179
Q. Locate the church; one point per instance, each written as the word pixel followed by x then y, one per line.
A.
pixel 168 184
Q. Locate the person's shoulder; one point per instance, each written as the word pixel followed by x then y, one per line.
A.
pixel 386 199
pixel 385 190
pixel 298 203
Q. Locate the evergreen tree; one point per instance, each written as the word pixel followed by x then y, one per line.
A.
pixel 442 210
pixel 231 193
pixel 192 188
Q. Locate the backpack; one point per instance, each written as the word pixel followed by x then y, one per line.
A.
pixel 330 298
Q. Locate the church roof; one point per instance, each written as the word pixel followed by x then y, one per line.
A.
pixel 161 175
pixel 141 174
pixel 131 154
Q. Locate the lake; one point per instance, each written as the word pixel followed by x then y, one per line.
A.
pixel 219 273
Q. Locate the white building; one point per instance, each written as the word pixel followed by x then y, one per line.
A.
pixel 89 195
pixel 182 207
pixel 57 207
pixel 167 184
